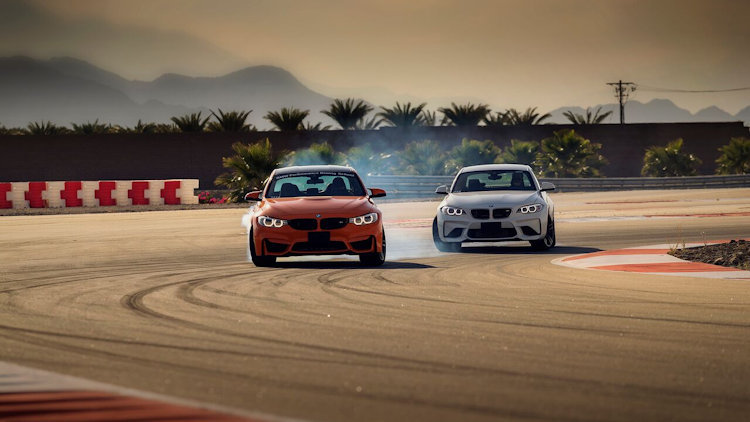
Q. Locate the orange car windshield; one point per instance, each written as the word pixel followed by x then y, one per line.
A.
pixel 315 184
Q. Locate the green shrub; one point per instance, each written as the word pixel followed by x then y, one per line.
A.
pixel 368 162
pixel 316 154
pixel 248 167
pixel 470 153
pixel 669 161
pixel 735 157
pixel 520 152
pixel 422 158
pixel 568 154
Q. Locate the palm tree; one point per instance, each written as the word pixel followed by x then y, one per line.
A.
pixel 428 118
pixel 735 157
pixel 166 128
pixel 11 130
pixel 568 154
pixel 287 118
pixel 249 167
pixel 231 121
pixel 496 119
pixel 143 128
pixel 118 129
pixel 589 119
pixel 368 124
pixel 422 157
pixel 464 115
pixel 90 128
pixel 472 152
pixel 316 126
pixel 520 152
pixel 45 128
pixel 669 161
pixel 317 153
pixel 191 122
pixel 347 113
pixel 527 118
pixel 402 116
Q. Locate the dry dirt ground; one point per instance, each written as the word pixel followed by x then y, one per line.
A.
pixel 167 302
pixel 735 253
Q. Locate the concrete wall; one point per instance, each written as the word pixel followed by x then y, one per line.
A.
pixel 198 156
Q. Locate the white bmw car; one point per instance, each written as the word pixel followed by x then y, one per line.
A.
pixel 494 203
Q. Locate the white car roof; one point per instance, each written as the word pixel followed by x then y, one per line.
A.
pixel 489 167
pixel 305 169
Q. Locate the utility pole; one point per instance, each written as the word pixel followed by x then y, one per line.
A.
pixel 622 92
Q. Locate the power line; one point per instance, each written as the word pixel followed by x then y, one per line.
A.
pixel 690 91
pixel 622 92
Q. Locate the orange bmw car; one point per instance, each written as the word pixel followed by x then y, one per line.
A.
pixel 315 210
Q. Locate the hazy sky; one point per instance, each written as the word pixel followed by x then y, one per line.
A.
pixel 508 53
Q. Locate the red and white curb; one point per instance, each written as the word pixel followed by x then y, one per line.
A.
pixel 653 259
pixel 100 193
pixel 34 395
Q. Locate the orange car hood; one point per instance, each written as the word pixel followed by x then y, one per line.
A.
pixel 325 205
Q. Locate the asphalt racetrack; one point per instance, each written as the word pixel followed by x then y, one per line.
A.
pixel 167 302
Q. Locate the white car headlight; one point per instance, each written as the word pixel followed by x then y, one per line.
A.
pixel 266 221
pixel 452 211
pixel 364 219
pixel 530 209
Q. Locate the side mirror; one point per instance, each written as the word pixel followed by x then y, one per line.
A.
pixel 547 186
pixel 442 190
pixel 377 193
pixel 253 196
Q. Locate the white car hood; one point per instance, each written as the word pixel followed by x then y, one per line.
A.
pixel 498 199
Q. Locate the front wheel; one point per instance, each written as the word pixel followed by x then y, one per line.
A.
pixel 439 244
pixel 375 258
pixel 549 240
pixel 259 260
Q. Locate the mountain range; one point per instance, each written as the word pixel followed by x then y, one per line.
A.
pixel 65 90
pixel 655 111
pixel 68 90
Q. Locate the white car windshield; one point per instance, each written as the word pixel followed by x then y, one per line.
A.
pixel 491 180
pixel 315 184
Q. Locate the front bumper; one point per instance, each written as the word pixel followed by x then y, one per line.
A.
pixel 466 228
pixel 287 241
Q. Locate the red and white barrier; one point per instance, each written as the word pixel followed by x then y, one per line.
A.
pixel 103 193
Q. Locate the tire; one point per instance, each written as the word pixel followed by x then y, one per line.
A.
pixel 375 258
pixel 439 244
pixel 549 240
pixel 259 260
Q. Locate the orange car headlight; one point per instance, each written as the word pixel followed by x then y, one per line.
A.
pixel 266 221
pixel 364 219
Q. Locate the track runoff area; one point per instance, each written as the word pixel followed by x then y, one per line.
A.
pixel 160 316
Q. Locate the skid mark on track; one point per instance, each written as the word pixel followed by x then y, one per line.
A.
pixel 665 320
pixel 344 357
